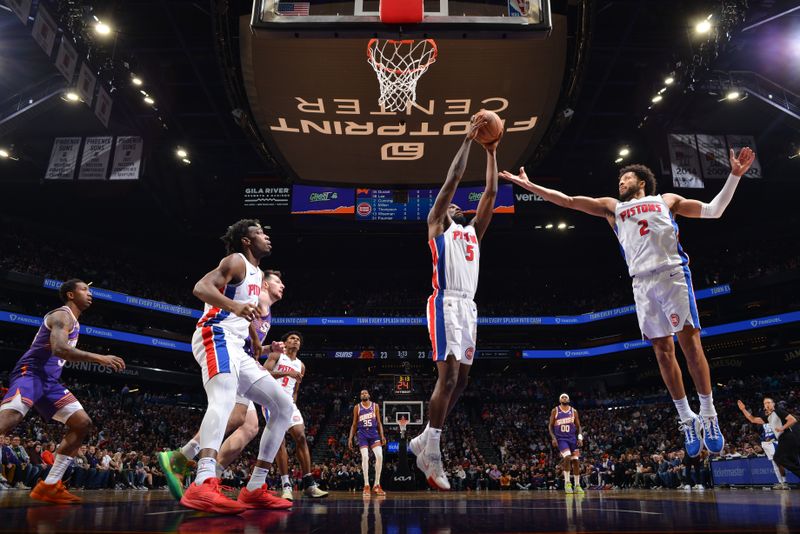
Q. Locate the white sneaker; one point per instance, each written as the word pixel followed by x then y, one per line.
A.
pixel 314 492
pixel 286 493
pixel 687 487
pixel 700 487
pixel 431 465
pixel 416 445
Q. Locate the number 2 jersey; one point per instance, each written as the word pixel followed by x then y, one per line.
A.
pixel 648 236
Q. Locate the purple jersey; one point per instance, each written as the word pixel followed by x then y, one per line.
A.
pixel 262 325
pixel 565 423
pixel 367 426
pixel 39 359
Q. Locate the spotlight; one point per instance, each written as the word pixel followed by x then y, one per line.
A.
pixel 669 80
pixel 186 161
pixel 136 81
pixel 733 94
pixel 181 153
pixel 548 226
pixel 662 90
pixel 703 26
pixel 562 226
pixel 618 160
pixel 149 100
pixel 102 28
pixel 4 154
pixel 71 96
pixel 624 151
pixel 656 99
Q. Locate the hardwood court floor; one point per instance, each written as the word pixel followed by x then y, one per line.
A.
pixel 627 511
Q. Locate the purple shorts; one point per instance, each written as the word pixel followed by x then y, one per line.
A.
pixel 567 444
pixel 47 396
pixel 368 439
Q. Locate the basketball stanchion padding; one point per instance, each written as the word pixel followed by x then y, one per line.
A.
pixel 401 11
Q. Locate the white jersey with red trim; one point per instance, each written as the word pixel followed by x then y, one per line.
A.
pixel 456 260
pixel 245 291
pixel 285 363
pixel 648 235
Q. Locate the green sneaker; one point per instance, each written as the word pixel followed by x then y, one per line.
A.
pixel 579 489
pixel 173 465
pixel 568 488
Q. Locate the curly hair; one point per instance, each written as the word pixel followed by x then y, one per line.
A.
pixel 233 236
pixel 644 174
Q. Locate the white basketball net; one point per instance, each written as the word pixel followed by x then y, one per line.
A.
pixel 402 423
pixel 399 65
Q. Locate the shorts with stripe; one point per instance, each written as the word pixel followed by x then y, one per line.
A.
pixel 452 325
pixel 217 351
pixel 665 302
pixel 50 398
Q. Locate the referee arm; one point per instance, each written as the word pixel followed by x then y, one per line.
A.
pixel 749 416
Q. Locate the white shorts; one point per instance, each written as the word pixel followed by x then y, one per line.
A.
pixel 769 449
pixel 245 402
pixel 453 326
pixel 218 351
pixel 297 417
pixel 665 302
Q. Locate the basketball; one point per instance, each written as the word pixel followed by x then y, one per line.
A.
pixel 492 130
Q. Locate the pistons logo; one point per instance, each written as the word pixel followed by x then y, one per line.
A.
pixel 674 319
pixel 364 209
pixel 470 352
pixel 296 419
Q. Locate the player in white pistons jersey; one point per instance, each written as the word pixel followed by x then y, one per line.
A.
pixel 289 371
pixel 231 293
pixel 662 283
pixel 452 315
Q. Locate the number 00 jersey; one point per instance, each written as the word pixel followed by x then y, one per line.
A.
pixel 456 259
pixel 648 235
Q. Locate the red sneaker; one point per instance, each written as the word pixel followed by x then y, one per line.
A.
pixel 208 497
pixel 53 493
pixel 262 498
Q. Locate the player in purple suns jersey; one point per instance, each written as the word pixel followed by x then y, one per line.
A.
pixel 242 424
pixel 645 226
pixel 368 429
pixel 452 316
pixel 565 433
pixel 34 382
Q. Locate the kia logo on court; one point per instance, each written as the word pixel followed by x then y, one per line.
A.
pixel 402 151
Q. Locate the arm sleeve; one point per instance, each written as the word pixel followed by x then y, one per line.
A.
pixel 715 208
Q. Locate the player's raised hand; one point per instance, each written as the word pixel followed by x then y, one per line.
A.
pixel 740 404
pixel 492 147
pixel 277 346
pixel 245 310
pixel 474 126
pixel 115 362
pixel 741 164
pixel 520 179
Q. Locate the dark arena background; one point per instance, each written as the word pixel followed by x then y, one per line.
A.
pixel 134 133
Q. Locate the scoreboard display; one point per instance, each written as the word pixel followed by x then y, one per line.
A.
pixel 402 385
pixel 414 204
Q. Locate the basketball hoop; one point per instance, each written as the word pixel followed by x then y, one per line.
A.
pixel 402 423
pixel 399 66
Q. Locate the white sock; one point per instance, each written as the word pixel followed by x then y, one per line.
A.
pixel 206 468
pixel 707 405
pixel 191 449
pixel 577 479
pixel 60 465
pixel 684 411
pixel 285 480
pixel 365 464
pixel 434 437
pixel 781 478
pixel 257 479
pixel 566 477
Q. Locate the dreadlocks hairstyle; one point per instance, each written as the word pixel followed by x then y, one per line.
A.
pixel 236 231
pixel 285 336
pixel 66 287
pixel 642 173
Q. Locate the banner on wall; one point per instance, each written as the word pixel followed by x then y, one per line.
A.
pixel 684 161
pixel 63 158
pixel 127 158
pixel 96 155
pixel 67 59
pixel 44 30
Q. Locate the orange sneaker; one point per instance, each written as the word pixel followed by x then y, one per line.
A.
pixel 53 493
pixel 262 498
pixel 378 490
pixel 208 497
pixel 367 491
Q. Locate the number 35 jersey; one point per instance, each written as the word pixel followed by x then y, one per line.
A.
pixel 648 236
pixel 456 260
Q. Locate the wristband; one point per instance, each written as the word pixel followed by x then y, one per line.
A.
pixel 580 437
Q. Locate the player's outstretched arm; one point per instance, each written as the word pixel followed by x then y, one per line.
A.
pixel 486 205
pixel 230 269
pixel 748 415
pixel 438 213
pixel 60 324
pixel 380 424
pixel 713 210
pixel 578 426
pixel 550 426
pixel 600 207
